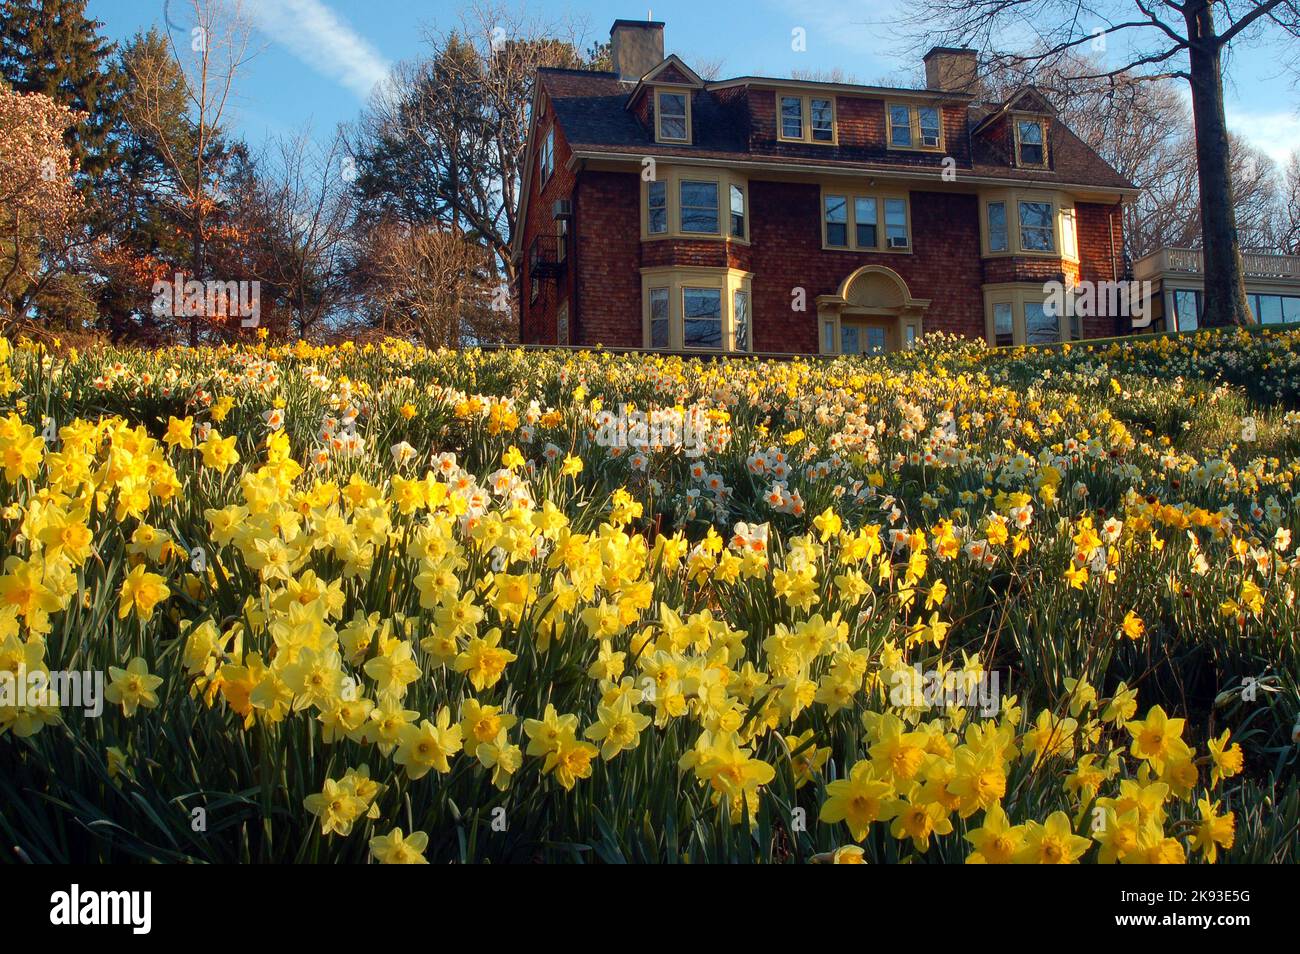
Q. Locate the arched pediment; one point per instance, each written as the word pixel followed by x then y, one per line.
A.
pixel 877 287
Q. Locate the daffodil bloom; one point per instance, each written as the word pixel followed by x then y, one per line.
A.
pixel 133 686
pixel 141 591
pixel 396 849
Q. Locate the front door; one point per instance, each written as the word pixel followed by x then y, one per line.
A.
pixel 863 337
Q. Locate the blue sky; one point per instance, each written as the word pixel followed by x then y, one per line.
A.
pixel 317 59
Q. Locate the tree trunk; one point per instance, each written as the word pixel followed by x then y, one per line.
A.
pixel 1225 287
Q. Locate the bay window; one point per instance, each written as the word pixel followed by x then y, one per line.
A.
pixel 695 203
pixel 695 307
pixel 1030 222
pixel 1020 313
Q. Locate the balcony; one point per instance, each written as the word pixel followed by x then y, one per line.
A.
pixel 546 256
pixel 1189 261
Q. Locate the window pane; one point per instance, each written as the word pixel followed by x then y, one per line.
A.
pixel 1003 330
pixel 837 221
pixel 737 211
pixel 672 116
pixel 1040 327
pixel 896 223
pixel 741 306
pixel 658 202
pixel 900 125
pixel 928 119
pixel 1270 309
pixel 659 317
pixel 864 220
pixel 1291 308
pixel 792 117
pixel 823 120
pixel 702 317
pixel 849 340
pixel 998 227
pixel 1186 310
pixel 699 206
pixel 875 340
pixel 1036 227
pixel 828 336
pixel 1031 143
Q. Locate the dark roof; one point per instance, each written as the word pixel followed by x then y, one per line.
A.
pixel 591 108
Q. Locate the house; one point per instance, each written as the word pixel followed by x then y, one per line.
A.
pixel 660 210
pixel 1178 287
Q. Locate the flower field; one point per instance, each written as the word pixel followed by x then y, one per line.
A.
pixel 376 603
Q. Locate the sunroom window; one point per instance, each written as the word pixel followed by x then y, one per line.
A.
pixel 659 318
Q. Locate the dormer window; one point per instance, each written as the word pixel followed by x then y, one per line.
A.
pixel 915 127
pixel 672 116
pixel 806 118
pixel 1031 148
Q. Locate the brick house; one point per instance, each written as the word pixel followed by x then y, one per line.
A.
pixel 663 211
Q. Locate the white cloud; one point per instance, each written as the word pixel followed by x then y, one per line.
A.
pixel 1277 135
pixel 318 37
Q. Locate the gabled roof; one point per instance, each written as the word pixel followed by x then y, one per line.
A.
pixel 1027 99
pixel 673 70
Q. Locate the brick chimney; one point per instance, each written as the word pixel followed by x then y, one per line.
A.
pixel 952 70
pixel 636 47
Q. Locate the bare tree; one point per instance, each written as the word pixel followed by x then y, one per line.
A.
pixel 445 139
pixel 302 205
pixel 1288 237
pixel 1164 39
pixel 427 281
pixel 209 57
